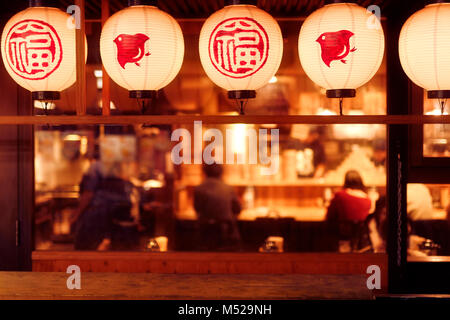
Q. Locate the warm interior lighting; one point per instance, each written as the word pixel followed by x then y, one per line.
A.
pixel 354 131
pixel 39 49
pixel 269 126
pixel 83 145
pixel 99 83
pixel 325 112
pixel 274 79
pixel 241 47
pixel 112 105
pixel 98 73
pixel 152 184
pixel 142 48
pixel 99 78
pixel 44 105
pixel 436 112
pixel 239 141
pixel 72 137
pixel 340 46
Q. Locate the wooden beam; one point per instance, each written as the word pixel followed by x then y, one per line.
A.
pixel 80 61
pixel 106 98
pixel 217 119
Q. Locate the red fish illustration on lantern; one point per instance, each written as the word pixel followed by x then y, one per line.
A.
pixel 335 46
pixel 131 48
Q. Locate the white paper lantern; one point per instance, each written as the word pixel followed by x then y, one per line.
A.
pixel 39 50
pixel 424 47
pixel 142 48
pixel 341 47
pixel 240 47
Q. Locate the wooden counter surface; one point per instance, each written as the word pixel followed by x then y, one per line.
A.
pixel 305 214
pixel 124 286
pixel 310 214
pixel 429 259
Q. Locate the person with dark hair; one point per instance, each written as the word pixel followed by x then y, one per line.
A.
pixel 104 218
pixel 217 206
pixel 213 170
pixel 352 202
pixel 348 210
pixel 353 181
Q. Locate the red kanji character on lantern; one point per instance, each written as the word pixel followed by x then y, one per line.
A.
pixel 238 47
pixel 34 49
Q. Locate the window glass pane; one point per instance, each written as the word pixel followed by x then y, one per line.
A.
pixel 428 220
pixel 436 137
pixel 281 188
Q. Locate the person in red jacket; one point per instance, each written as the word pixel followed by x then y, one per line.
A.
pixel 348 210
pixel 352 202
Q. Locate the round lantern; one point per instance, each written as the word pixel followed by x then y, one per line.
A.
pixel 424 46
pixel 142 48
pixel 39 50
pixel 341 47
pixel 241 48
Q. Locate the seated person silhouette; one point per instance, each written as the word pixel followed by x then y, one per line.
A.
pixel 217 206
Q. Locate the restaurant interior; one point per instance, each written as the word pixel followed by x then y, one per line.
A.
pixel 391 135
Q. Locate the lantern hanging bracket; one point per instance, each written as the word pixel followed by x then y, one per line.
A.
pixel 438 94
pixel 242 96
pixel 142 95
pixel 327 2
pixel 46 104
pixel 45 95
pixel 42 3
pixel 144 105
pixel 239 2
pixel 441 95
pixel 242 104
pixel 142 3
pixel 442 103
pixel 341 94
